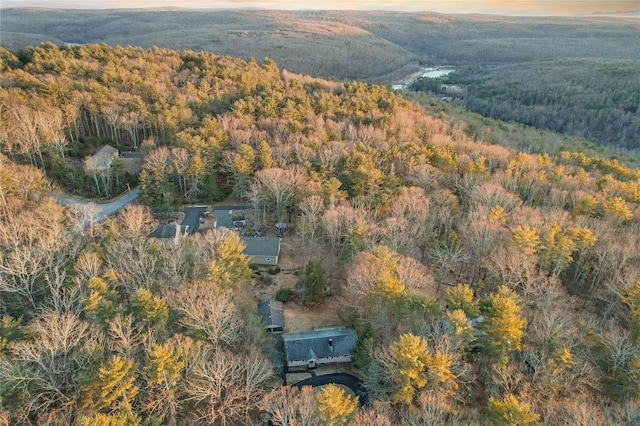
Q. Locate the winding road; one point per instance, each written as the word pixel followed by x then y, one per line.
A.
pixel 95 212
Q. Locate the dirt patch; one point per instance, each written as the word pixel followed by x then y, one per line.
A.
pixel 298 318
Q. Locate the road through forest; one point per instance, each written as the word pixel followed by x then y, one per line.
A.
pixel 96 212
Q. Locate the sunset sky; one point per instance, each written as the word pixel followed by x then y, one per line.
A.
pixel 538 7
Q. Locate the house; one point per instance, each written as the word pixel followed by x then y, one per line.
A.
pixel 170 233
pixel 272 314
pixel 262 250
pixel 102 160
pixel 319 347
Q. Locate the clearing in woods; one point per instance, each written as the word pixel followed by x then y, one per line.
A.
pixel 297 317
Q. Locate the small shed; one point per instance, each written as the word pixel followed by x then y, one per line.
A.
pixel 262 250
pixel 272 314
pixel 281 228
pixel 319 347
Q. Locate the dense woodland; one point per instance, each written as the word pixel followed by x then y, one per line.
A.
pixel 593 99
pixel 486 285
pixel 578 76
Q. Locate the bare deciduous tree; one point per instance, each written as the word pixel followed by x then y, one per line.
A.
pixel 25 132
pixel 136 220
pixel 309 224
pixel 125 336
pixel 224 386
pixel 181 161
pixel 291 406
pixel 207 312
pixel 275 189
pixel 133 261
pixel 34 246
pixel 43 371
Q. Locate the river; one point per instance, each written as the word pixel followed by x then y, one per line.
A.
pixel 429 72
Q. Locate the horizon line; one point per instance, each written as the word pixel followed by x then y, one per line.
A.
pixel 586 14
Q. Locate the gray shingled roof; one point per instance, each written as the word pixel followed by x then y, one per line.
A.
pixel 166 230
pixel 272 313
pixel 132 155
pixel 105 151
pixel 261 246
pixel 316 344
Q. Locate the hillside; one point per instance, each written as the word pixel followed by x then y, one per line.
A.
pixel 344 45
pixel 510 68
pixel 485 284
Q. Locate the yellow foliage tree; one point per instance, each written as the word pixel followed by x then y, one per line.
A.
pixel 230 267
pixel 243 160
pixel 116 419
pixel 440 374
pixel 461 297
pixel 410 358
pixel 387 282
pixel 113 387
pixel 556 250
pixel 265 155
pixel 585 206
pixel 150 308
pixel 498 214
pixel 462 330
pixel 511 412
pixel 335 406
pixel 583 237
pixel 616 208
pixel 164 365
pixel 527 239
pixel 102 300
pixel 503 326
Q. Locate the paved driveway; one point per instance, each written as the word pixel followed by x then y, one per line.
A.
pixel 222 213
pixel 352 382
pixel 192 217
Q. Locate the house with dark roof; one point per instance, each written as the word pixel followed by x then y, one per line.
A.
pixel 272 314
pixel 262 250
pixel 317 347
pixel 170 233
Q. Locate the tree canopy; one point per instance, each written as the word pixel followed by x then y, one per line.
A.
pixel 393 207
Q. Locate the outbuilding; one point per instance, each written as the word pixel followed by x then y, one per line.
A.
pixel 272 314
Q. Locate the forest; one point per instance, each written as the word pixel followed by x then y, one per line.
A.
pixel 593 99
pixel 486 285
pixel 577 76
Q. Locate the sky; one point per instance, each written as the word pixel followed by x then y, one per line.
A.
pixel 510 7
